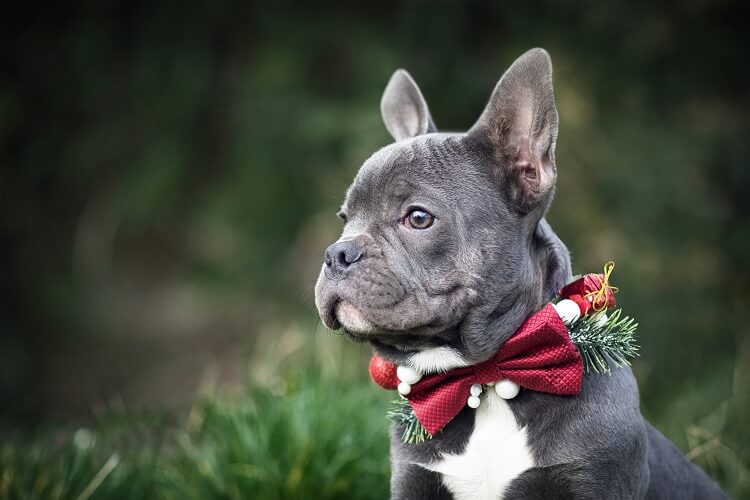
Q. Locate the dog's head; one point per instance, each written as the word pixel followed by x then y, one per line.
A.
pixel 445 250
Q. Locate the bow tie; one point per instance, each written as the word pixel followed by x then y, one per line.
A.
pixel 539 356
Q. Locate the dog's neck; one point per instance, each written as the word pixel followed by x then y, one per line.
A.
pixel 485 331
pixel 553 258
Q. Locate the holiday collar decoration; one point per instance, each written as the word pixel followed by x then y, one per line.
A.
pixel 539 356
pixel 548 353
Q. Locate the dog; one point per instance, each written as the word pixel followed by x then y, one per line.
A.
pixel 444 253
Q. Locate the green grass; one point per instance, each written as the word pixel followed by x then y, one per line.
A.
pixel 317 436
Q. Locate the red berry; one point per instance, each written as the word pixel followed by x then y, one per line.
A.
pixel 383 373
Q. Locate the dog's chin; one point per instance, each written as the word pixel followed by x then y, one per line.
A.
pixel 358 328
pixel 352 320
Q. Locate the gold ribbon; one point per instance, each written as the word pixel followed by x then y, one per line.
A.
pixel 604 285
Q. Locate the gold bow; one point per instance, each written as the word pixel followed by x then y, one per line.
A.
pixel 601 293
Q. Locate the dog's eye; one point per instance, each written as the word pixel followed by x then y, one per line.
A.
pixel 419 219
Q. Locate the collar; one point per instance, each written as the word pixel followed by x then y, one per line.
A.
pixel 539 356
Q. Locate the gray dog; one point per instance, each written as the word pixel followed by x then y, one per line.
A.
pixel 445 252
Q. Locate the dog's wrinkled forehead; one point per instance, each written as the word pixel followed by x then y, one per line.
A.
pixel 423 166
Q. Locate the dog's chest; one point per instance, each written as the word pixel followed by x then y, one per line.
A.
pixel 497 453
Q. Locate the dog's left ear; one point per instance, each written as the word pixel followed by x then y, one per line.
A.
pixel 519 126
pixel 404 110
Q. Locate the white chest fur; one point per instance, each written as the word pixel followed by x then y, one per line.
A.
pixel 497 452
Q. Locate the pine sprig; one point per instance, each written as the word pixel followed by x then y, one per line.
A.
pixel 401 412
pixel 605 344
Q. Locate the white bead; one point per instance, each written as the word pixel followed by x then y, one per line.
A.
pixel 601 319
pixel 408 374
pixel 507 389
pixel 473 402
pixel 404 388
pixel 476 389
pixel 568 310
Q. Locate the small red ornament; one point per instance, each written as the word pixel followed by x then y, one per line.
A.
pixel 593 289
pixel 383 373
pixel 583 304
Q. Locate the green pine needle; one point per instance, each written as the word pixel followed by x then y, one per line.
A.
pixel 607 345
pixel 402 413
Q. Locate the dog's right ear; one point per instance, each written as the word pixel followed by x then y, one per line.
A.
pixel 519 126
pixel 404 110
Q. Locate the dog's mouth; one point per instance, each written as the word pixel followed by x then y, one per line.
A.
pixel 339 313
pixel 357 328
pixel 351 319
pixel 384 328
pixel 328 315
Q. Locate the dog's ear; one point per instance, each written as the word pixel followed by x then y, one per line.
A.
pixel 404 109
pixel 519 126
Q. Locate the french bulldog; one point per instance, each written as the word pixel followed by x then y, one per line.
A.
pixel 444 253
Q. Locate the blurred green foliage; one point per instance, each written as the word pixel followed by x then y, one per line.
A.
pixel 169 174
pixel 289 443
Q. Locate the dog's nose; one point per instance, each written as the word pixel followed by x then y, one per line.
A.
pixel 341 255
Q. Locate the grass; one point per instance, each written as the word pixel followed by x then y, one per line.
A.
pixel 317 433
pixel 315 436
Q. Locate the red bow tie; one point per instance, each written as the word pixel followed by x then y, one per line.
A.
pixel 539 356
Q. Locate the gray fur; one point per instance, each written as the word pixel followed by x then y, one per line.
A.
pixel 489 260
pixel 404 110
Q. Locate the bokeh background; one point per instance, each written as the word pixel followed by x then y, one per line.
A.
pixel 169 174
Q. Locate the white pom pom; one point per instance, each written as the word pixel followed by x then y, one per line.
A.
pixel 408 374
pixel 568 310
pixel 507 389
pixel 404 388
pixel 473 402
pixel 476 389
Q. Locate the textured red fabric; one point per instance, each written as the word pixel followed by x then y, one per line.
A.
pixel 539 356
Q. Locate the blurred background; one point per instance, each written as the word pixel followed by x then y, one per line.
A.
pixel 169 175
